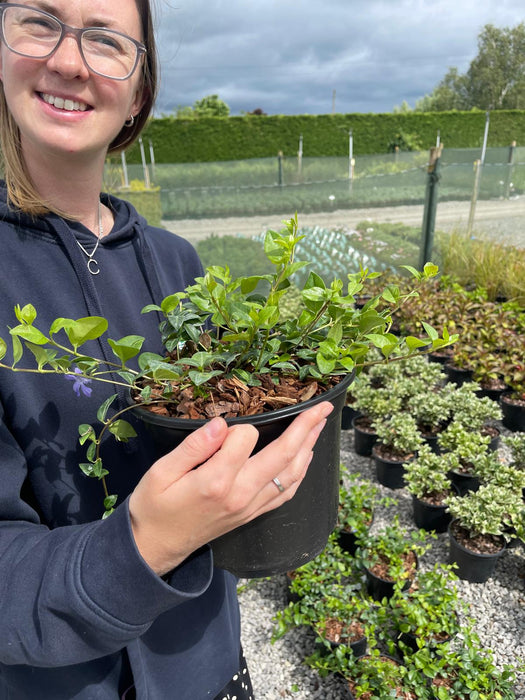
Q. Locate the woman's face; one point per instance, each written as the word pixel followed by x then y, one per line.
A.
pixel 60 107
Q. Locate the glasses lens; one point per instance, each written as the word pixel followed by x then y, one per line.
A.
pixel 30 32
pixel 109 53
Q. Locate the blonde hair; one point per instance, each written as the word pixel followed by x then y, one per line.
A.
pixel 20 188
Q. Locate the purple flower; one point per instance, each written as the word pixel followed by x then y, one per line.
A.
pixel 81 383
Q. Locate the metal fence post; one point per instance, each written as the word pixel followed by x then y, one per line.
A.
pixel 280 168
pixel 431 197
pixel 510 169
pixel 477 178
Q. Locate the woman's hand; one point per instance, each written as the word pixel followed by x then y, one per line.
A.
pixel 175 509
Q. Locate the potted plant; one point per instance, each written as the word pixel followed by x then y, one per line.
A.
pixel 470 449
pixel 480 525
pixel 427 479
pixel 373 675
pixel 513 401
pixel 464 670
pixel 357 500
pixel 474 412
pixel 390 557
pixel 373 404
pixel 426 614
pixel 398 439
pixel 229 352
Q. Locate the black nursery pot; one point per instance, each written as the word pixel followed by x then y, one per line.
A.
pixel 471 566
pixel 364 440
pixel 389 473
pixel 296 532
pixel 463 482
pixel 458 375
pixel 513 414
pixel 379 588
pixel 429 516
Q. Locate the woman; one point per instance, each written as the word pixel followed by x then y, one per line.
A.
pixel 128 606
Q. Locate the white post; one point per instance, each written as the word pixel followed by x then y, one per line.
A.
pixel 438 139
pixel 485 137
pixel 300 156
pixel 124 169
pixel 144 164
pixel 152 157
pixel 351 160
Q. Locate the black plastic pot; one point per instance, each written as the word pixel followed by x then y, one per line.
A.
pixel 364 440
pixel 513 414
pixel 429 516
pixel 358 647
pixel 379 588
pixel 463 482
pixel 389 473
pixel 347 416
pixel 457 375
pixel 297 531
pixel 471 566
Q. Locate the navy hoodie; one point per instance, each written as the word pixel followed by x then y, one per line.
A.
pixel 82 616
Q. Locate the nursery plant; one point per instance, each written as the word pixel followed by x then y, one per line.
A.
pixel 426 614
pixel 398 437
pixel 483 518
pixel 392 552
pixel 228 350
pixel 426 476
pixel 462 668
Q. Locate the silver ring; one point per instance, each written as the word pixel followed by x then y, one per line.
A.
pixel 278 484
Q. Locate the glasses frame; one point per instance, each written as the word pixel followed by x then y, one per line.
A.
pixel 77 33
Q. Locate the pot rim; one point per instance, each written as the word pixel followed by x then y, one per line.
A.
pixel 258 419
pixel 481 555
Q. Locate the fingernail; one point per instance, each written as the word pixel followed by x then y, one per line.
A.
pixel 214 427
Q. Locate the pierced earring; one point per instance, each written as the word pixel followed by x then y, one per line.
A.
pixel 130 121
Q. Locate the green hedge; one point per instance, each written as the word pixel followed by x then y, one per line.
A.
pixel 237 138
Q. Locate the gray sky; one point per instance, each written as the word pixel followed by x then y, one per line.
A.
pixel 288 56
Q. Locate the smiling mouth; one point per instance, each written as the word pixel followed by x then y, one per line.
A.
pixel 65 104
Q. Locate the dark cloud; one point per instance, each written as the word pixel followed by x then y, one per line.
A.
pixel 288 56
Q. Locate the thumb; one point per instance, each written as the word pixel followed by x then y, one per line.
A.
pixel 198 447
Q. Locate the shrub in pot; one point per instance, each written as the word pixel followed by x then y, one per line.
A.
pixel 398 439
pixel 390 557
pixel 469 448
pixel 427 479
pixel 230 352
pixel 463 670
pixel 480 527
pixel 426 614
pixel 474 412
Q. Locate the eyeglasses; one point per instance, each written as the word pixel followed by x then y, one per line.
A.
pixel 37 34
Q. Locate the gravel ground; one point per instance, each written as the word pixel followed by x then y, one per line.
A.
pixel 277 670
pixel 499 219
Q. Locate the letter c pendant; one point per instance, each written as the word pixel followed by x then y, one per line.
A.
pixel 95 269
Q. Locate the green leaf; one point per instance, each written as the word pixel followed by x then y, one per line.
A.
pixel 86 433
pixel 3 348
pixel 199 378
pixel 25 315
pixel 88 469
pixel 29 333
pixel 18 349
pixel 103 410
pixel 84 329
pixel 42 356
pixel 110 501
pixel 414 343
pixel 126 347
pixel 122 430
pixel 431 332
pixel 430 270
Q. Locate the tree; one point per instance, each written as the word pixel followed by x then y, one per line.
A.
pixel 211 106
pixel 495 78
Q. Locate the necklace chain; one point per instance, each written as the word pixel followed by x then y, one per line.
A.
pixel 92 264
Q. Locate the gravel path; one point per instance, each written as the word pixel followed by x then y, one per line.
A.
pixel 501 219
pixel 277 670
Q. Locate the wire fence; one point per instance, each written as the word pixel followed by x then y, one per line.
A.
pixel 268 185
